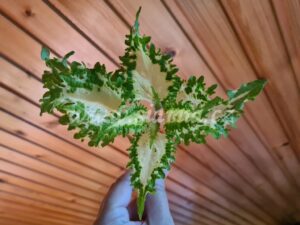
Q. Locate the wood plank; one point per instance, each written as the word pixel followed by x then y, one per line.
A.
pixel 39 187
pixel 212 199
pixel 265 165
pixel 38 196
pixel 198 210
pixel 44 198
pixel 23 107
pixel 38 205
pixel 277 177
pixel 32 218
pixel 15 207
pixel 193 210
pixel 14 110
pixel 21 128
pixel 186 217
pixel 47 155
pixel 254 22
pixel 178 220
pixel 36 218
pixel 11 221
pixel 29 112
pixel 15 168
pixel 213 182
pixel 191 217
pixel 12 78
pixel 15 190
pixel 152 24
pixel 30 186
pixel 87 15
pixel 209 29
pixel 29 54
pixel 16 220
pixel 37 165
pixel 287 13
pixel 21 125
pixel 28 49
pixel 220 160
pixel 272 202
pixel 111 160
pixel 40 20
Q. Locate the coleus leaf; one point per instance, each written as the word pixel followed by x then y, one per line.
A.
pixel 90 100
pixel 198 115
pixel 144 99
pixel 150 157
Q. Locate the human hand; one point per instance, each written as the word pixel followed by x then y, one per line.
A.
pixel 117 209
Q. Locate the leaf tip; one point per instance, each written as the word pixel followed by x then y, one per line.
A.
pixel 45 53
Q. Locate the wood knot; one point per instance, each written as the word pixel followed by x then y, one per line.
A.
pixel 28 12
pixel 20 133
pixel 170 52
pixel 38 156
pixel 52 124
pixel 285 144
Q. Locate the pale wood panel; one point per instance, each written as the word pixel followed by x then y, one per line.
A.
pixel 186 216
pixel 254 22
pixel 28 58
pixel 288 16
pixel 109 157
pixel 32 89
pixel 30 162
pixel 212 198
pixel 242 172
pixel 56 216
pixel 43 23
pixel 276 176
pixel 244 206
pixel 208 27
pixel 252 178
pixel 191 217
pixel 36 218
pixel 39 187
pixel 43 207
pixel 21 220
pixel 110 34
pixel 28 50
pixel 45 154
pixel 186 58
pixel 35 134
pixel 201 209
pixel 195 213
pixel 10 167
pixel 14 221
pixel 39 180
pixel 37 196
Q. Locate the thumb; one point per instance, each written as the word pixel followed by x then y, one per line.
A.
pixel 120 193
pixel 157 206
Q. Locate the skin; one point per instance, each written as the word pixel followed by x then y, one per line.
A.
pixel 118 209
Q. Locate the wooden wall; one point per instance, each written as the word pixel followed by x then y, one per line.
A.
pixel 251 178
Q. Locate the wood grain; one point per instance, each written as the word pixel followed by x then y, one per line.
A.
pixel 250 178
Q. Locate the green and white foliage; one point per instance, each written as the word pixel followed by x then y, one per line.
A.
pixel 144 99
